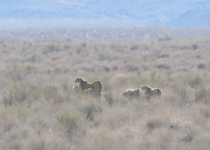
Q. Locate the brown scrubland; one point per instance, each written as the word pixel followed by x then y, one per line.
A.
pixel 39 110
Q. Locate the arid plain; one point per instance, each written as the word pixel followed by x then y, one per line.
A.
pixel 39 110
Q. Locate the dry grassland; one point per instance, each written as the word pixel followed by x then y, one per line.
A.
pixel 39 110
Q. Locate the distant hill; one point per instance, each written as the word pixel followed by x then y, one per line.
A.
pixel 162 34
pixel 109 13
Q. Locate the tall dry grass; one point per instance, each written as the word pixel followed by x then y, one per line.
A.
pixel 40 111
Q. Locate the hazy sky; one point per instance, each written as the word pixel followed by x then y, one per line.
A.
pixel 109 13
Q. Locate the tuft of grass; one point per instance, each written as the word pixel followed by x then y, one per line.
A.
pixel 15 94
pixel 69 123
pixel 202 94
pixel 194 81
pixel 67 120
pixel 51 93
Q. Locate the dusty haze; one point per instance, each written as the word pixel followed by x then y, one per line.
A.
pixel 39 110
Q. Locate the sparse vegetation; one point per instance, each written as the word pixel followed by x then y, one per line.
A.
pixel 40 111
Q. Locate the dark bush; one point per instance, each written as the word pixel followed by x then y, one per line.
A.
pixel 163 66
pixel 201 66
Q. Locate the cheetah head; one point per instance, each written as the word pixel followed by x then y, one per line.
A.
pixel 145 88
pixel 79 81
